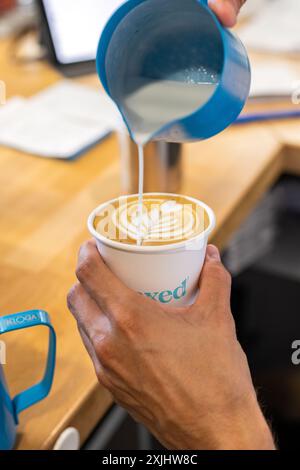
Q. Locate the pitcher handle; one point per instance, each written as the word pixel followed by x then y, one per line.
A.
pixel 38 392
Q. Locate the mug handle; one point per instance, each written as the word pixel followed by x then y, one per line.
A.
pixel 39 391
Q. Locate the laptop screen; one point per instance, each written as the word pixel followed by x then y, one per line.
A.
pixel 76 26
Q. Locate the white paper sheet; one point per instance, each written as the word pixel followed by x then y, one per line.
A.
pixel 274 28
pixel 274 78
pixel 60 122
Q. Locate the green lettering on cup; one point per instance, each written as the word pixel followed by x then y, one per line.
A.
pixel 180 292
pixel 152 295
pixel 165 297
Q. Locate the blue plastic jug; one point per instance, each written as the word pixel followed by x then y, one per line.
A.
pixel 11 408
pixel 175 40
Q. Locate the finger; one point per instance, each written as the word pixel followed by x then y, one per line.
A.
pixel 92 353
pixel 89 317
pixel 97 279
pixel 226 10
pixel 215 282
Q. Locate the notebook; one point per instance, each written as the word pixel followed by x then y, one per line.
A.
pixel 62 121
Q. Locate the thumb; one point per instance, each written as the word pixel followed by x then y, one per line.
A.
pixel 215 282
pixel 226 10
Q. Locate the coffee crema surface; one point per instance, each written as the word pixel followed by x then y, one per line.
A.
pixel 159 220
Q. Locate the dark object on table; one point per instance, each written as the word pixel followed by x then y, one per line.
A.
pixel 52 40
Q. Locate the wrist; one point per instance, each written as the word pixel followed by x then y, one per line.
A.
pixel 246 429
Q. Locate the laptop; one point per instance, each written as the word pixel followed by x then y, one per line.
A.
pixel 70 30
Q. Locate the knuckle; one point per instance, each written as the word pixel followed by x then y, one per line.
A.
pixel 86 261
pixel 86 246
pixel 72 296
pixel 220 273
pixel 104 348
pixel 84 268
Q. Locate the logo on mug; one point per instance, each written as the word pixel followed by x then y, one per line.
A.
pixel 167 296
pixel 2 353
pixel 19 320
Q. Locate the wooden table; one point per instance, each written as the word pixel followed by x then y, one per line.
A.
pixel 44 206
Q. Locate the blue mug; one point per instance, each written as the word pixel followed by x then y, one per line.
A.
pixel 175 40
pixel 11 408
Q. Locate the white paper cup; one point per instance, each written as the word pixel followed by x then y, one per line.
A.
pixel 168 274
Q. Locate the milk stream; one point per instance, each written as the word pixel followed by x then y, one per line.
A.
pixel 156 104
pixel 141 187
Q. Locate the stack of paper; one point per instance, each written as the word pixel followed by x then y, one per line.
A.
pixel 275 27
pixel 60 122
pixel 274 78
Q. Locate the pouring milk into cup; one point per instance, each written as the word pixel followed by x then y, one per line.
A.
pixel 177 75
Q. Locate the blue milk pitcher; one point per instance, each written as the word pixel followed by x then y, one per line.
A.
pixel 11 408
pixel 179 40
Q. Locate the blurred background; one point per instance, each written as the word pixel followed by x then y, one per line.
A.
pixel 263 253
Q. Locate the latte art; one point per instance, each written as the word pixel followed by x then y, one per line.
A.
pixel 163 220
pixel 158 221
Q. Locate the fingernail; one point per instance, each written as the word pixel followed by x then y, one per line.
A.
pixel 213 253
